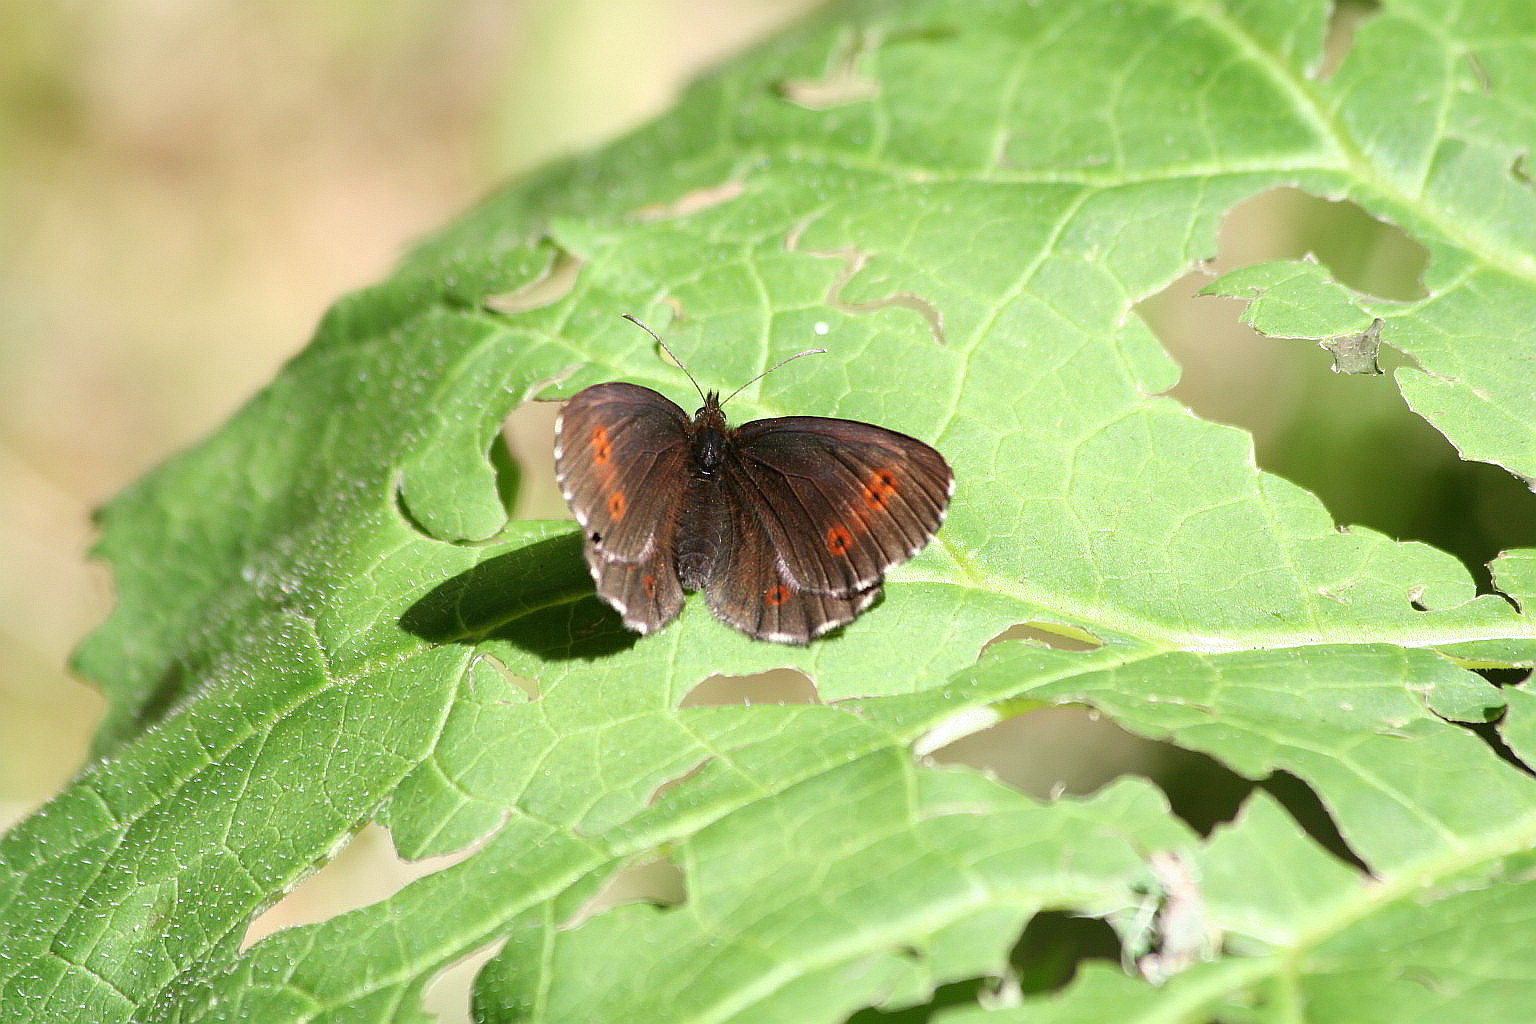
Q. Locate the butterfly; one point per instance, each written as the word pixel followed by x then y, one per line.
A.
pixel 788 525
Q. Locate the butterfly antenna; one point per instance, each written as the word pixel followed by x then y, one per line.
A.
pixel 775 366
pixel 682 365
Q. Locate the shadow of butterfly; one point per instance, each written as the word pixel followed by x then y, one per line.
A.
pixel 788 525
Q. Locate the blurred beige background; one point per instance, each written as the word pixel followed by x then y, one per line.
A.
pixel 187 184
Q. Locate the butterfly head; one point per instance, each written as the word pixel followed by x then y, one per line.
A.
pixel 710 413
pixel 709 434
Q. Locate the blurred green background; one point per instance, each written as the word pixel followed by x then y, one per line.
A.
pixel 187 186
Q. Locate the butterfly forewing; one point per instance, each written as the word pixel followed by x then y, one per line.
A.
pixel 843 501
pixel 613 443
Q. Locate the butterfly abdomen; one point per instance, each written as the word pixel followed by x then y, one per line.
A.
pixel 703 533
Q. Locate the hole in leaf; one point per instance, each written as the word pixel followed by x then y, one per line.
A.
pixel 666 787
pixel 1349 439
pixel 1054 751
pixel 1072 751
pixel 1055 944
pixel 364 871
pixel 528 687
pixel 1205 793
pixel 1361 252
pixel 1491 733
pixel 654 880
pixel 779 686
pixel 449 993
pixel 553 285
pixel 842 85
pixel 1302 804
pixel 1343 22
pixel 1505 676
pixel 1056 635
pixel 1047 956
pixel 528 437
pixel 696 201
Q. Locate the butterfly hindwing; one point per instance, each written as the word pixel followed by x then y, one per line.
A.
pixel 613 443
pixel 646 594
pixel 842 501
pixel 751 592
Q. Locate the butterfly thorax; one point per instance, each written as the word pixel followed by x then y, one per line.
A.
pixel 707 436
pixel 705 525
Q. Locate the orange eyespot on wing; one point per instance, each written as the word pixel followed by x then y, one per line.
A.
pixel 617 505
pixel 602 446
pixel 879 489
pixel 841 502
pixel 776 595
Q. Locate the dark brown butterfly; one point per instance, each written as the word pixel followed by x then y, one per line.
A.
pixel 788 525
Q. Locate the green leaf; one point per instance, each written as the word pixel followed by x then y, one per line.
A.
pixel 326 618
pixel 1293 298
